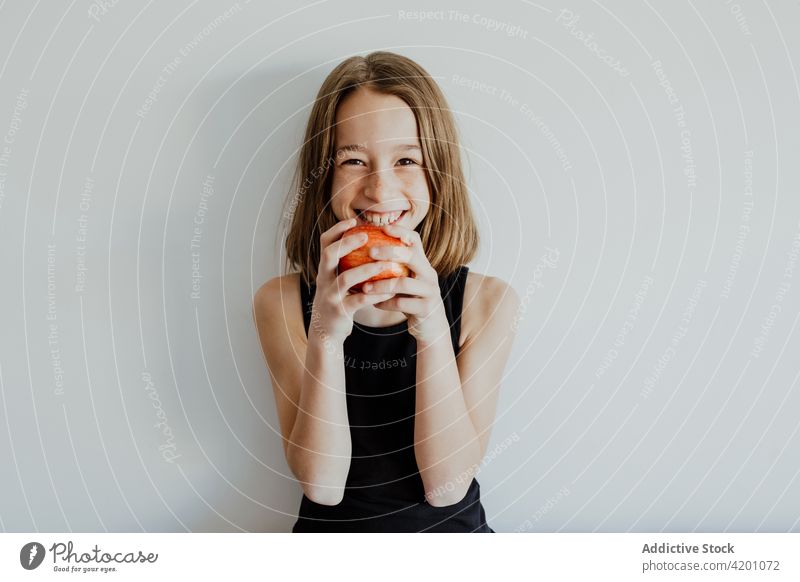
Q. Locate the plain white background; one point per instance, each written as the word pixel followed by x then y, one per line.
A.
pixel 633 167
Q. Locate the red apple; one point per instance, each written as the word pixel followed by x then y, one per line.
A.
pixel 377 238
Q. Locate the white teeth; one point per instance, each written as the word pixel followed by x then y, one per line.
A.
pixel 380 218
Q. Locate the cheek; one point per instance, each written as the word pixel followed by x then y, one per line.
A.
pixel 342 184
pixel 417 185
pixel 337 181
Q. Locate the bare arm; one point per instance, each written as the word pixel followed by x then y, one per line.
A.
pixel 319 446
pixel 445 440
pixel 457 399
pixel 307 375
pixel 297 368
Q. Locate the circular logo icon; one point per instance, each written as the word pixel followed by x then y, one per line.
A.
pixel 31 555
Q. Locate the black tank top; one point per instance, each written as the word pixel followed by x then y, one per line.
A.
pixel 384 491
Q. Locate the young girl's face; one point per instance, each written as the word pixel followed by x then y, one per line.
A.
pixel 378 176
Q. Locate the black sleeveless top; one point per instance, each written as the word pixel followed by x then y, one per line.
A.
pixel 384 491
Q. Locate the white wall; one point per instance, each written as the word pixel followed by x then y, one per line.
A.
pixel 621 224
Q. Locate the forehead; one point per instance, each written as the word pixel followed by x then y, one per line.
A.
pixel 366 116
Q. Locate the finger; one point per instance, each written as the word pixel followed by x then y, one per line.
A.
pixel 409 305
pixel 391 253
pixel 344 246
pixel 356 301
pixel 412 255
pixel 335 232
pixel 338 249
pixel 399 285
pixel 363 272
pixel 408 236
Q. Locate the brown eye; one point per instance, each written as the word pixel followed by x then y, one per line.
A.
pixel 407 162
pixel 352 162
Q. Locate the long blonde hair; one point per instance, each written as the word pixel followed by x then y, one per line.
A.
pixel 448 232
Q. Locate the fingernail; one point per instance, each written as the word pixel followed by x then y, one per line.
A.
pixel 367 287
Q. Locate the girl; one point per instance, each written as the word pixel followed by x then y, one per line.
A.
pixel 386 397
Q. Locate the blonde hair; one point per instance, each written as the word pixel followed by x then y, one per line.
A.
pixel 448 232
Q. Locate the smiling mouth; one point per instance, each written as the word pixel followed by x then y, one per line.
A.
pixel 380 218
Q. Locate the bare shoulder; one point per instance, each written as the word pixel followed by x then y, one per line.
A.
pixel 277 301
pixel 486 299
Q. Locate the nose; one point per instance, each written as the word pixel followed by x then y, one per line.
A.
pixel 381 185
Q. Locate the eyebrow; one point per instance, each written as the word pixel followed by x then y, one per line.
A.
pixel 358 147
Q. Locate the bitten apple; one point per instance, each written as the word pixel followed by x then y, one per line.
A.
pixel 377 238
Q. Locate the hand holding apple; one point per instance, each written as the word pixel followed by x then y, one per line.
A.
pixel 361 255
pixel 418 295
pixel 333 308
